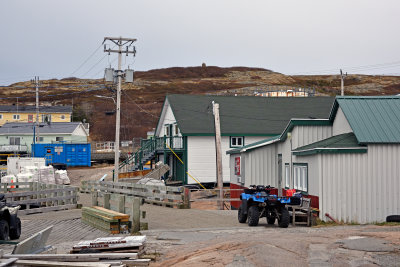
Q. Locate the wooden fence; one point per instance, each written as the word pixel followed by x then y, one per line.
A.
pixel 37 197
pixel 168 196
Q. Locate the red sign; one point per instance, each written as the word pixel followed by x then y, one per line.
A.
pixel 237 166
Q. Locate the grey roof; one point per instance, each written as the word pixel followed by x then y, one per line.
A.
pixel 32 109
pixel 247 115
pixel 27 128
pixel 373 119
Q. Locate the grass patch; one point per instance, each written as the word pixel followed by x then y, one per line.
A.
pixel 387 224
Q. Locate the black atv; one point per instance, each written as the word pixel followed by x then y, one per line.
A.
pixel 257 202
pixel 10 224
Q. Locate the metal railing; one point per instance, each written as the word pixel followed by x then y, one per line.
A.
pixel 13 148
pixel 148 148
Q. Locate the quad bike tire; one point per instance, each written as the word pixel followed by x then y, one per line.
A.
pixel 271 220
pixel 242 217
pixel 253 216
pixel 15 232
pixel 284 219
pixel 4 230
pixel 393 218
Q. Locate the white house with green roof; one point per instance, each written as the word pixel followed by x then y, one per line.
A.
pixel 347 164
pixel 186 129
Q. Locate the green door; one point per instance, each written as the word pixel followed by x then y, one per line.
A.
pixel 179 169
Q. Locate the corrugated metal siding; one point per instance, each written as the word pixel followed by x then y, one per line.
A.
pixel 261 166
pixel 361 188
pixel 304 135
pixel 373 120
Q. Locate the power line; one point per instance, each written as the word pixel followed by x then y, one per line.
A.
pixel 94 52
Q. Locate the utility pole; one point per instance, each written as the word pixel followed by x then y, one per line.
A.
pixel 342 77
pixel 36 137
pixel 120 42
pixel 220 184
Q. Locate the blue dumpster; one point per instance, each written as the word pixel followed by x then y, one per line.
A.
pixel 63 153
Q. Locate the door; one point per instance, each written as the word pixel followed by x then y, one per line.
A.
pixel 49 151
pixel 279 175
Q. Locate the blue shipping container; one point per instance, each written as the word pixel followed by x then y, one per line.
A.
pixel 69 154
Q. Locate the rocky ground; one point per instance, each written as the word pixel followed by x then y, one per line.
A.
pixel 196 237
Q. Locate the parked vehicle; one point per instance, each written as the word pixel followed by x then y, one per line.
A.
pixel 10 224
pixel 258 203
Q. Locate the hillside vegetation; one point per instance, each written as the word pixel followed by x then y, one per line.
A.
pixel 142 100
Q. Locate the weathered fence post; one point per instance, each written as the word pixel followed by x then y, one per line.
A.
pixel 94 199
pixel 135 215
pixel 107 197
pixel 121 203
pixel 186 198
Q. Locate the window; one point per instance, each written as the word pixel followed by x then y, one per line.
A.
pixel 40 139
pixel 300 174
pixel 63 117
pixel 15 140
pixel 287 175
pixel 166 130
pixel 16 117
pixel 176 130
pixel 59 139
pixel 30 118
pixel 237 141
pixel 1 116
pixel 46 117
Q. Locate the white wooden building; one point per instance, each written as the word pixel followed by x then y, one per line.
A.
pixel 347 164
pixel 186 125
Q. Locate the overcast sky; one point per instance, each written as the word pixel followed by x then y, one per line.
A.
pixel 52 38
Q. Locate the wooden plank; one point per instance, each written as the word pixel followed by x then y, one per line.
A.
pixel 46 209
pixel 67 257
pixel 107 213
pixel 60 264
pixel 8 262
pixel 40 200
pixel 115 213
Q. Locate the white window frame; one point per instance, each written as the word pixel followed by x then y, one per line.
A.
pixel 166 129
pixel 16 117
pixel 1 116
pixel 287 175
pixel 235 139
pixel 44 117
pixel 40 139
pixel 175 130
pixel 300 176
pixel 13 139
pixel 58 137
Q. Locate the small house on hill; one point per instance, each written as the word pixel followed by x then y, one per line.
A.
pixel 186 129
pixel 22 134
pixel 347 164
pixel 27 114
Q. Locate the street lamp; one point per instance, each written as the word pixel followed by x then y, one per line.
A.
pixel 109 97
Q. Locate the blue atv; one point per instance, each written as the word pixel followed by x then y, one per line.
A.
pixel 257 202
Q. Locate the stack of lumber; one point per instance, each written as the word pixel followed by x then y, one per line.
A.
pixel 74 260
pixel 124 244
pixel 107 220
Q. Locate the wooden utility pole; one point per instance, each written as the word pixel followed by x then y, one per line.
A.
pixel 342 77
pixel 220 184
pixel 120 42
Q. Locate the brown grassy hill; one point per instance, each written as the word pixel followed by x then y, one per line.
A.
pixel 142 100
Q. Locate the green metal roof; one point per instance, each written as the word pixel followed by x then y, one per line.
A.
pixel 373 119
pixel 343 143
pixel 245 115
pixel 254 145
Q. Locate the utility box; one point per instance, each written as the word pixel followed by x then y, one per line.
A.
pixel 16 164
pixel 68 154
pixel 129 76
pixel 109 74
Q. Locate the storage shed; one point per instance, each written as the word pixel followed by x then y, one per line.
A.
pixel 348 164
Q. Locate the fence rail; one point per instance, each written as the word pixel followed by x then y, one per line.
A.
pixel 163 195
pixel 39 197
